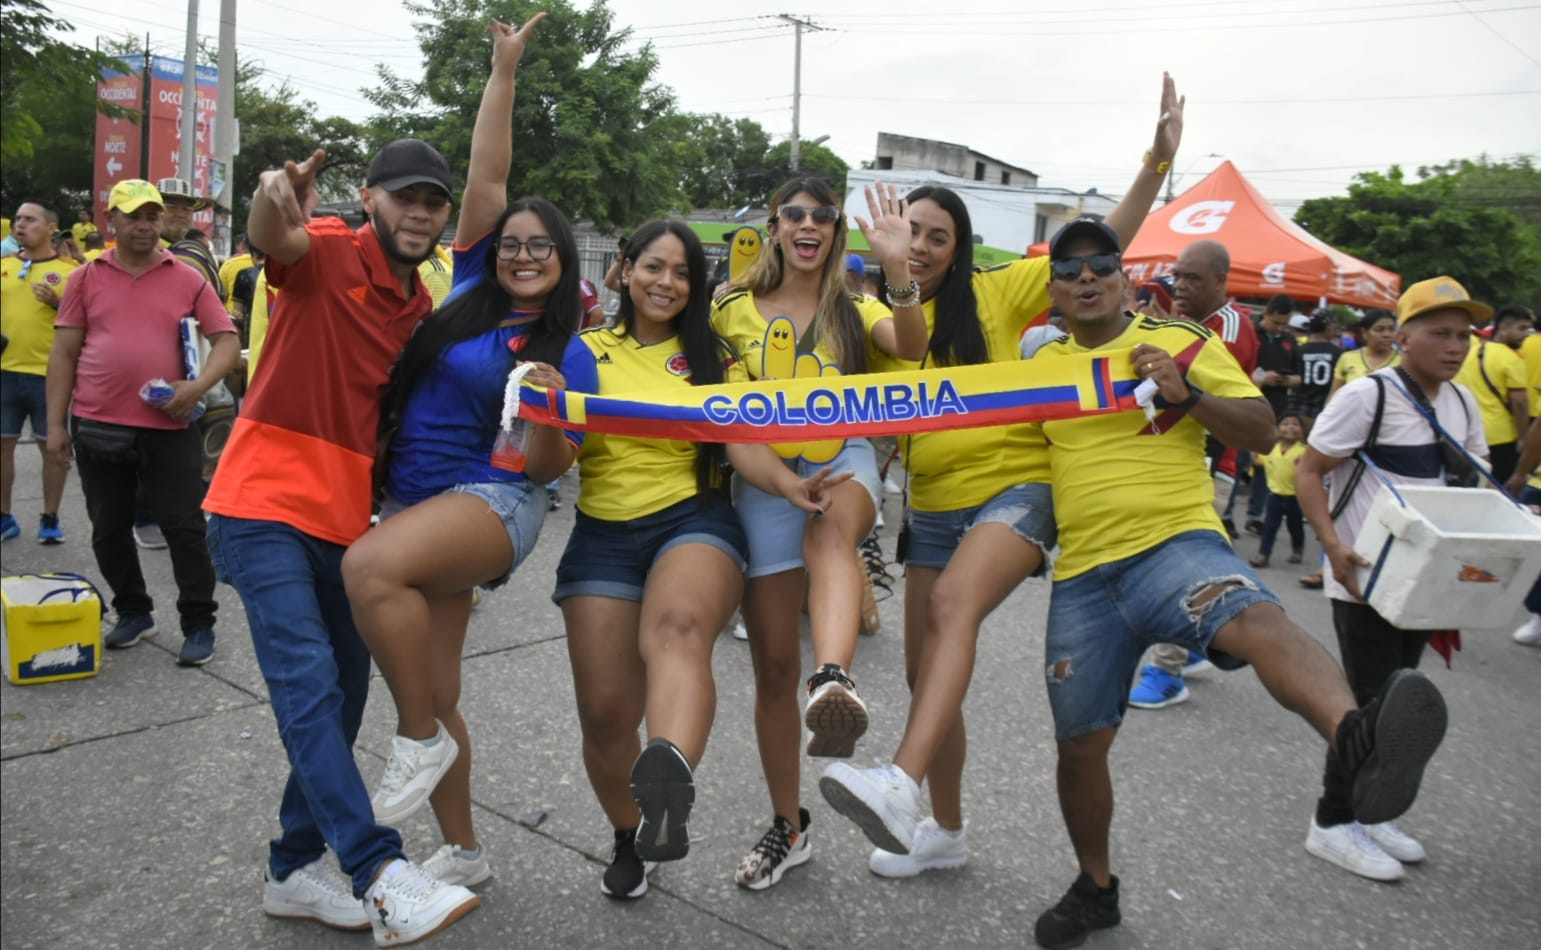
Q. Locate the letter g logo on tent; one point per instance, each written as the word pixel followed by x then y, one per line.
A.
pixel 1205 217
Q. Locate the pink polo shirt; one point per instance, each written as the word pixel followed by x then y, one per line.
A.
pixel 132 333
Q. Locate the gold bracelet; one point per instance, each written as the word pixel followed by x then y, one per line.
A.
pixel 1160 168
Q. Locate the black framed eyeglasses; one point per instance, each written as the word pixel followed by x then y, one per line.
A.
pixel 823 214
pixel 539 248
pixel 1102 265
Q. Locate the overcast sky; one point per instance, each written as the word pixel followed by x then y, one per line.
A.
pixel 1299 94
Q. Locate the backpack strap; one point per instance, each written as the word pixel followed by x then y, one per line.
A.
pixel 1482 368
pixel 1360 456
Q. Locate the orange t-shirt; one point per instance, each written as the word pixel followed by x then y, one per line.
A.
pixel 303 447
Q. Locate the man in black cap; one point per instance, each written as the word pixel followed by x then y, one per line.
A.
pixel 1144 560
pixel 293 490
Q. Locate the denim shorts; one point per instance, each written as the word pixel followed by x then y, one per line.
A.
pixel 1026 509
pixel 1101 622
pixel 521 505
pixel 612 558
pixel 775 526
pixel 23 396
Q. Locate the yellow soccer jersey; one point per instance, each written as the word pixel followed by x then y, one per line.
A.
pixel 1530 352
pixel 966 467
pixel 623 477
pixel 1492 366
pixel 438 276
pixel 774 356
pixel 1356 363
pixel 257 323
pixel 1279 466
pixel 1121 488
pixel 26 321
pixel 229 271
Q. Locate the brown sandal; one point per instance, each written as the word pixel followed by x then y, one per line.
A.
pixel 1259 561
pixel 1312 581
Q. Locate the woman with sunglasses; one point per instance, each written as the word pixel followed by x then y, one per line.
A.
pixel 980 515
pixel 794 316
pixel 655 564
pixel 450 521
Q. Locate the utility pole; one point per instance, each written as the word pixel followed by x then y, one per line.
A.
pixel 224 122
pixel 797 82
pixel 186 167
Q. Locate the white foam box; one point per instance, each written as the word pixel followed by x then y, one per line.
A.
pixel 1447 558
pixel 50 630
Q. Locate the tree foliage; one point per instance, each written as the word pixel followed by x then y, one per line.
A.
pixel 1478 221
pixel 591 128
pixel 34 68
pixel 814 161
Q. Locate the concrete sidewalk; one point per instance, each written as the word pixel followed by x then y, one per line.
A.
pixel 137 805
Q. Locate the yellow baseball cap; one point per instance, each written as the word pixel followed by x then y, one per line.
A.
pixel 130 193
pixel 1439 293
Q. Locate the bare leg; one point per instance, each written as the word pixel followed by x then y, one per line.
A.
pixel 54 474
pixel 1086 799
pixel 610 683
pixel 691 592
pixel 771 615
pixel 449 615
pixel 1301 675
pixel 835 577
pixel 445 545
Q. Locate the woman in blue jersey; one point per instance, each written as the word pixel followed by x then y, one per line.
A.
pixel 980 515
pixel 792 317
pixel 450 520
pixel 655 563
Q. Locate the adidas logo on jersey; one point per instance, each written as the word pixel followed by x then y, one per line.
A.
pixel 604 358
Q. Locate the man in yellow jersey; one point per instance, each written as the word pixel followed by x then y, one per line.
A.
pixel 1525 484
pixel 95 246
pixel 31 287
pixel 1495 375
pixel 1144 559
pixel 1512 324
pixel 84 227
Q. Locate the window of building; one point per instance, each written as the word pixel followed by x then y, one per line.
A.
pixel 979 171
pixel 885 162
pixel 1005 178
pixel 1040 228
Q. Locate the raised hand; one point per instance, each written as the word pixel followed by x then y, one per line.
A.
pixel 888 233
pixel 1169 127
pixel 292 189
pixel 508 44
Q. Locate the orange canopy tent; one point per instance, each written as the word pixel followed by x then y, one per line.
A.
pixel 1269 253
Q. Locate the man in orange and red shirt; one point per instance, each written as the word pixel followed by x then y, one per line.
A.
pixel 293 490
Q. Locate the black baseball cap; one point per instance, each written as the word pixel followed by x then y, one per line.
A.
pixel 407 162
pixel 1082 228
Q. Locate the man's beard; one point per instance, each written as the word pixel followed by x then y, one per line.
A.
pixel 392 249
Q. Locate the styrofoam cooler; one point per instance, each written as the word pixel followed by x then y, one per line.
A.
pixel 1447 558
pixel 50 628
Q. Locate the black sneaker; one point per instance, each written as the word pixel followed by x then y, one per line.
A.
pixel 1386 745
pixel 662 786
pixel 1230 528
pixel 779 850
pixel 1084 908
pixel 626 877
pixel 553 499
pixel 1254 526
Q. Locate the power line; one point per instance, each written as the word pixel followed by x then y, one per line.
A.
pixel 1078 103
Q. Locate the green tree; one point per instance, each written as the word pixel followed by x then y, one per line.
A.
pixel 592 131
pixel 1479 222
pixel 815 161
pixel 34 68
pixel 723 162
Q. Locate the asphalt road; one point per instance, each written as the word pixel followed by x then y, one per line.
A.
pixel 137 805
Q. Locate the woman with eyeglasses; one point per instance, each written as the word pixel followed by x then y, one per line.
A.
pixel 654 566
pixel 979 518
pixel 794 317
pixel 450 520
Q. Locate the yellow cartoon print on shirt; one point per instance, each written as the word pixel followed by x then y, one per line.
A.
pixel 743 250
pixel 780 359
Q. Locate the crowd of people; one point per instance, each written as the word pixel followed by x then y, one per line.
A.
pixel 374 479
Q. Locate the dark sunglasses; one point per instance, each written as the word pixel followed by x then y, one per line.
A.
pixel 1102 265
pixel 823 214
pixel 538 248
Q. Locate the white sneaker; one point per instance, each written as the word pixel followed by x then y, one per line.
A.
pixel 884 801
pixel 411 775
pixel 316 892
pixel 406 905
pixel 879 523
pixel 1529 632
pixel 450 865
pixel 836 717
pixel 934 847
pixel 1396 842
pixel 1352 849
pixel 892 487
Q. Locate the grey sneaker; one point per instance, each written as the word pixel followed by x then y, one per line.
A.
pixel 129 630
pixel 149 537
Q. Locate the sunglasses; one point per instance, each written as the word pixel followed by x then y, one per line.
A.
pixel 1102 265
pixel 538 248
pixel 823 214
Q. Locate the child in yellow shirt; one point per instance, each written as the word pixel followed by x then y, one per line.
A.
pixel 1279 465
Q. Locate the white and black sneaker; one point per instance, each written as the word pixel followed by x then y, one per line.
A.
pixel 626 877
pixel 836 717
pixel 779 850
pixel 406 905
pixel 662 786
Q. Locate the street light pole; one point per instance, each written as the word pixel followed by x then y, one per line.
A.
pixel 797 83
pixel 185 166
pixel 224 118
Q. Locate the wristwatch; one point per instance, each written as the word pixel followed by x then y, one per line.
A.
pixel 1194 395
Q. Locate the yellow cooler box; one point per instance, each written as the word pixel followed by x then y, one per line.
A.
pixel 51 628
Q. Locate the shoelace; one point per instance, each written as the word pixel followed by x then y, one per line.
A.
pixel 328 880
pixel 411 883
pixel 1362 838
pixel 776 842
pixel 877 567
pixel 829 672
pixel 398 770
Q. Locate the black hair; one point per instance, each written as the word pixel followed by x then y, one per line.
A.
pixel 1290 414
pixel 50 211
pixel 194 234
pixel 1512 313
pixel 1372 317
pixel 958 339
pixel 483 307
pixel 95 240
pixel 706 353
pixel 1279 303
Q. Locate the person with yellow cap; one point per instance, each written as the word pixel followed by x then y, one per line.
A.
pixel 1387 415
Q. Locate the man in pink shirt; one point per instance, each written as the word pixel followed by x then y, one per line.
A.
pixel 118 328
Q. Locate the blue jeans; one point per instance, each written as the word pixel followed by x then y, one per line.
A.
pixel 317 672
